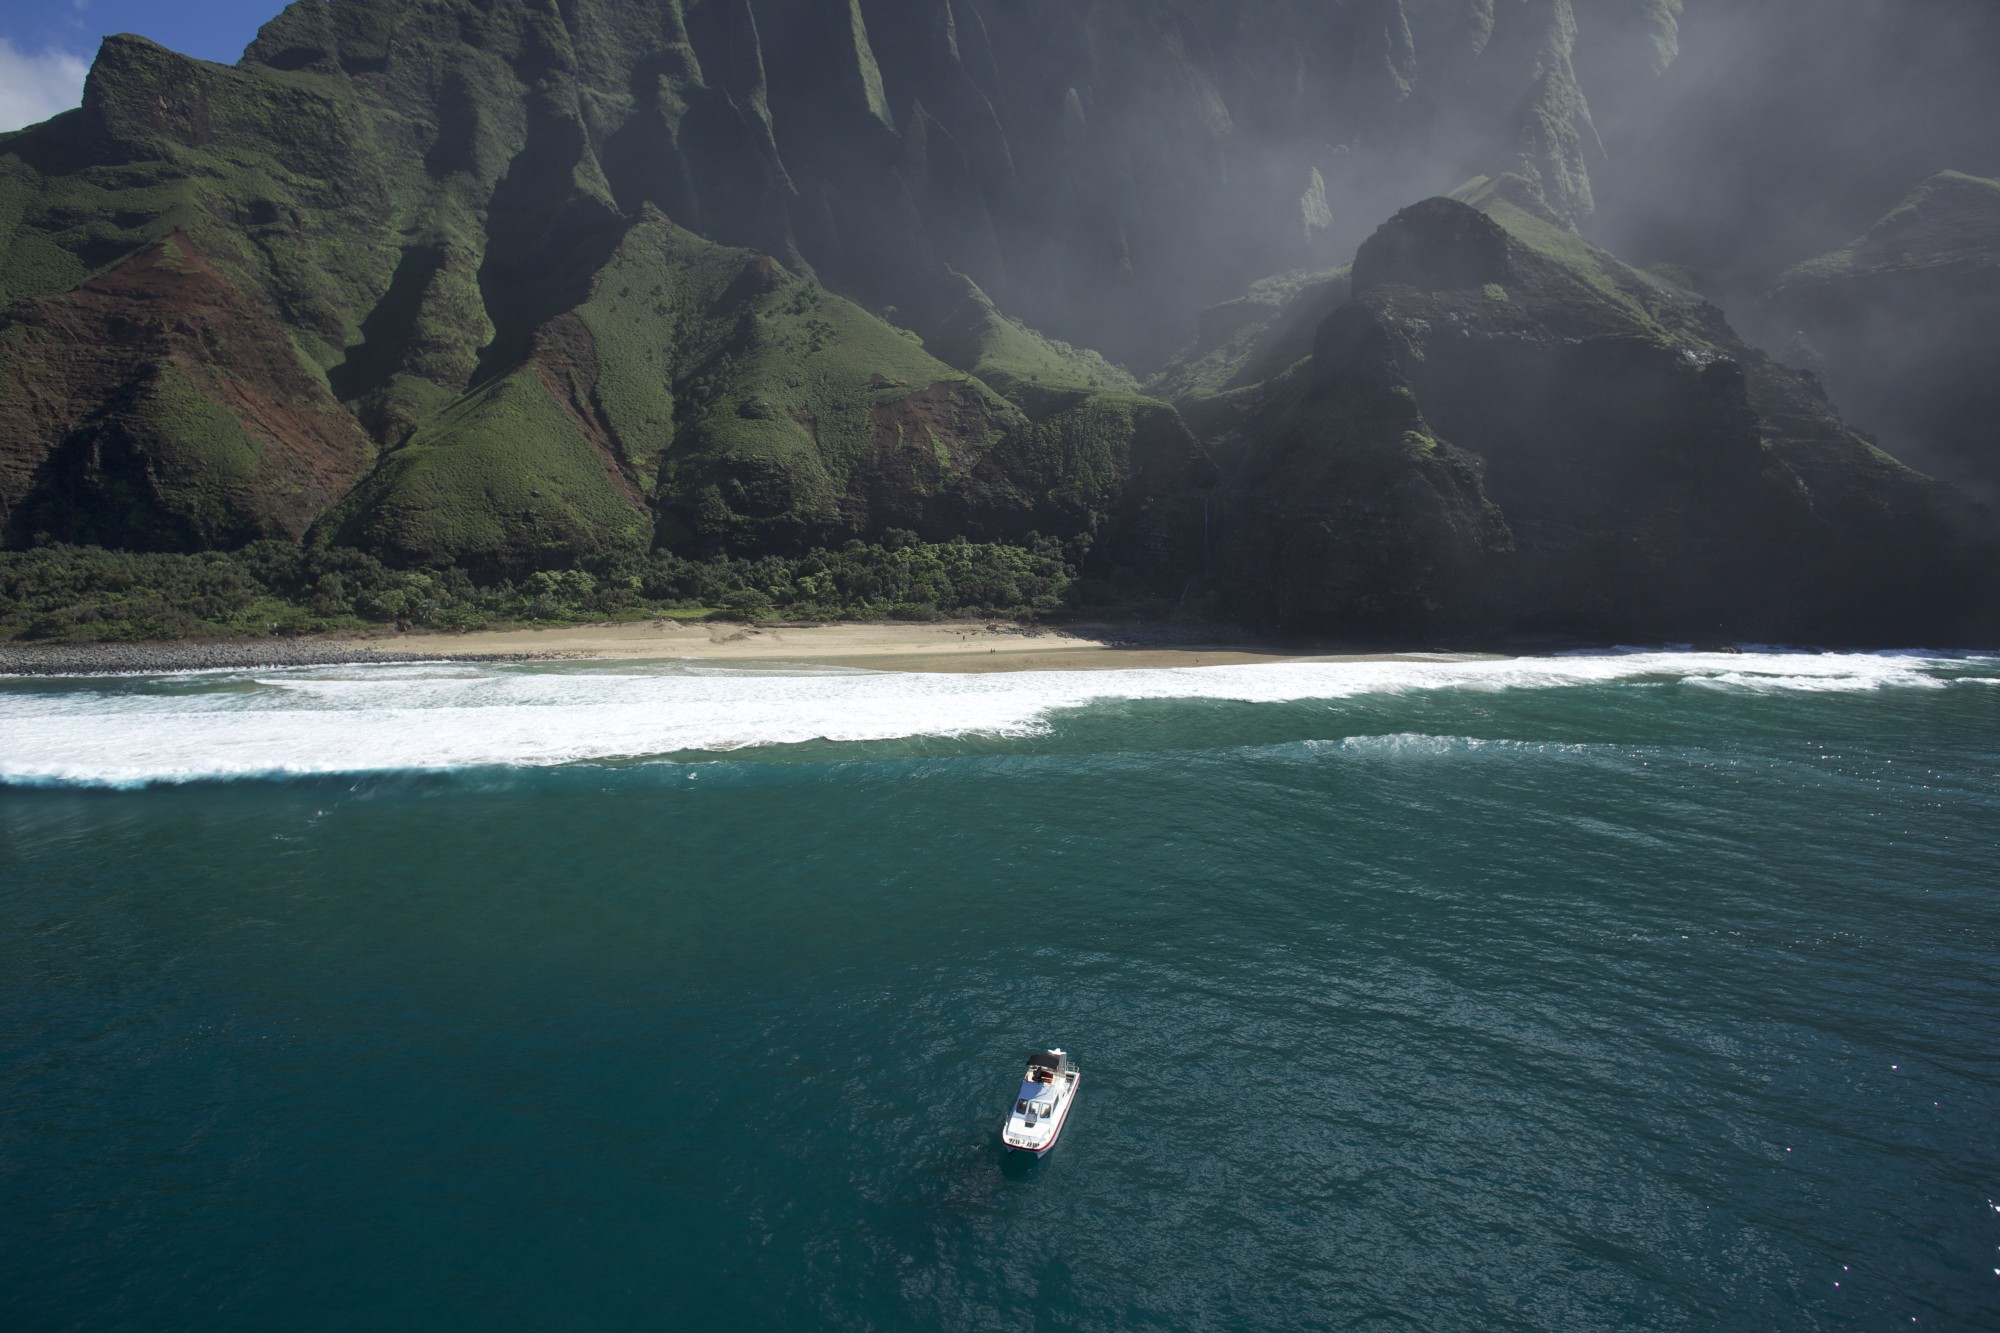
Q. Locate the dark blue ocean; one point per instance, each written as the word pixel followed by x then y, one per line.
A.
pixel 1628 990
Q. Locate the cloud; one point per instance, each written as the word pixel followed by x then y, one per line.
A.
pixel 35 87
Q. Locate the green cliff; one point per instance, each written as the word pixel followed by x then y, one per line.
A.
pixel 402 280
pixel 515 286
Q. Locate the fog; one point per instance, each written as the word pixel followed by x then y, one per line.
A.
pixel 1786 130
pixel 1107 170
pixel 1787 127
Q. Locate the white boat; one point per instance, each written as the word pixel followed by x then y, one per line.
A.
pixel 1042 1106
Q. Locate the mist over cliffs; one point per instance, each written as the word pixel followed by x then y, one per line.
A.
pixel 505 283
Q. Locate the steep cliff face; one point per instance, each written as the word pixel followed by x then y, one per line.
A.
pixel 161 405
pixel 421 231
pixel 1904 323
pixel 1101 170
pixel 1505 429
pixel 434 234
pixel 506 282
pixel 1091 167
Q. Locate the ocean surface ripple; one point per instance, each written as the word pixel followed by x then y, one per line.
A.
pixel 1634 989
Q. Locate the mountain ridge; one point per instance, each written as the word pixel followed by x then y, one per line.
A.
pixel 509 285
pixel 1903 322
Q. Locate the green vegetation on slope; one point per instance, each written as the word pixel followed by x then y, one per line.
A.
pixel 1258 336
pixel 1951 219
pixel 1662 310
pixel 277 175
pixel 454 219
pixel 1029 369
pixel 505 478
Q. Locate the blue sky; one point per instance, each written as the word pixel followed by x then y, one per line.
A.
pixel 46 45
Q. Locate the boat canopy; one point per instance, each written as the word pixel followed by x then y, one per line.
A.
pixel 1054 1061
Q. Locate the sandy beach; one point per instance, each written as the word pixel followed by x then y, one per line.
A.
pixel 947 646
pixel 959 646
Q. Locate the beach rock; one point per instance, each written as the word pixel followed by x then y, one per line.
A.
pixel 102 659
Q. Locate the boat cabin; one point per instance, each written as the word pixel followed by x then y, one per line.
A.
pixel 1042 1085
pixel 1047 1066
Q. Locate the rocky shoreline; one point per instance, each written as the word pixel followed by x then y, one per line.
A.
pixel 116 659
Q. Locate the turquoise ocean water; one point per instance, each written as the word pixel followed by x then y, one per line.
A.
pixel 1621 990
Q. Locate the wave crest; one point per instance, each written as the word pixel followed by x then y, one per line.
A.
pixel 384 718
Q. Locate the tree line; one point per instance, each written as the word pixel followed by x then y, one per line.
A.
pixel 76 593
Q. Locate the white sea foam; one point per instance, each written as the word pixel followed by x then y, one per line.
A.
pixel 381 718
pixel 1420 744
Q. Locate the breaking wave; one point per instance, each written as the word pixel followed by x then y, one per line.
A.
pixel 379 718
